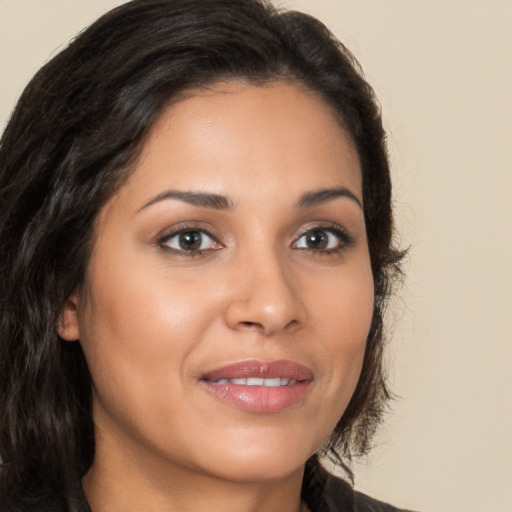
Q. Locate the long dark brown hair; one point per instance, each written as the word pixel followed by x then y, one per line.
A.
pixel 71 143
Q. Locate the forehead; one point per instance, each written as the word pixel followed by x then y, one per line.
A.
pixel 236 137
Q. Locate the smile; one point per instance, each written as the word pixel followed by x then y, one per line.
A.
pixel 257 381
pixel 256 386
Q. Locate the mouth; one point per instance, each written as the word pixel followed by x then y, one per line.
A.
pixel 259 386
pixel 258 381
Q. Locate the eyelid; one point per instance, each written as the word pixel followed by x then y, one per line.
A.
pixel 345 239
pixel 162 239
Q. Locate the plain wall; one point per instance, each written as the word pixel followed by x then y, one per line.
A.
pixel 443 73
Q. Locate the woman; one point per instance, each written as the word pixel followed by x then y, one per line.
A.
pixel 196 238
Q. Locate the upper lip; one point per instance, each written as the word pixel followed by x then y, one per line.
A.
pixel 263 369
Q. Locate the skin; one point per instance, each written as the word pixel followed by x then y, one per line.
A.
pixel 153 317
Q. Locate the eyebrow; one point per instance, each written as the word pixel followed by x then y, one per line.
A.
pixel 322 196
pixel 219 202
pixel 202 199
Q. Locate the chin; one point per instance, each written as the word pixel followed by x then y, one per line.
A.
pixel 266 470
pixel 263 459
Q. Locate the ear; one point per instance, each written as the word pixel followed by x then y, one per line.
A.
pixel 67 327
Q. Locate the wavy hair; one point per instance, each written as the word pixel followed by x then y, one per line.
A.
pixel 73 140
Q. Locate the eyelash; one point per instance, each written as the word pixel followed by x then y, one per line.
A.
pixel 183 230
pixel 344 240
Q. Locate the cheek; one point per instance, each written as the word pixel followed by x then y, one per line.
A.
pixel 140 327
pixel 344 306
pixel 135 348
pixel 344 311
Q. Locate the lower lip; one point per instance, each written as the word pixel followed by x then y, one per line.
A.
pixel 259 398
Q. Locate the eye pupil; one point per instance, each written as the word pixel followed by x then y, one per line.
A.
pixel 317 239
pixel 190 240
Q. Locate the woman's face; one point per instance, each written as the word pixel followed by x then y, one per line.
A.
pixel 229 292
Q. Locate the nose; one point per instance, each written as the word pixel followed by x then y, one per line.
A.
pixel 265 298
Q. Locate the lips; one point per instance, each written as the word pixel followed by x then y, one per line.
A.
pixel 259 386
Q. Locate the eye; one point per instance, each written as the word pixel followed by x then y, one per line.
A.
pixel 323 239
pixel 189 240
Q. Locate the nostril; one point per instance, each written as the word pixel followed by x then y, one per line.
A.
pixel 293 323
pixel 251 325
pixel 261 327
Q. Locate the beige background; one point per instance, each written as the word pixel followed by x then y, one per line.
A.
pixel 443 72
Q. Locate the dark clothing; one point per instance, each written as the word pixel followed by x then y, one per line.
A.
pixel 328 493
pixel 325 493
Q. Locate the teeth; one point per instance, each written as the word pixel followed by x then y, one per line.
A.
pixel 255 382
pixel 274 383
pixel 258 381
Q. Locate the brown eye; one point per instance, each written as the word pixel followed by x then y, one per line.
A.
pixel 189 240
pixel 317 239
pixel 323 239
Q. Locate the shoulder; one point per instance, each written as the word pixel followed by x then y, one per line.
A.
pixel 336 495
